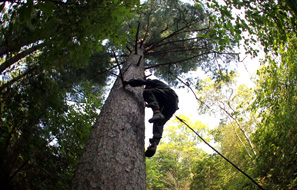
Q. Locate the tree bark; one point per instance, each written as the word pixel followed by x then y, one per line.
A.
pixel 114 154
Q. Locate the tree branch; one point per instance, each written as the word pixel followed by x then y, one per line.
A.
pixel 180 49
pixel 19 56
pixel 9 83
pixel 234 128
pixel 242 130
pixel 174 41
pixel 187 84
pixel 136 38
pixel 147 27
pixel 171 35
pixel 179 61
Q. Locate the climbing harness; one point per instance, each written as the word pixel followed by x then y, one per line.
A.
pixel 181 120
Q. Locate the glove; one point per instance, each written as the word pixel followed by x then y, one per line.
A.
pixel 135 82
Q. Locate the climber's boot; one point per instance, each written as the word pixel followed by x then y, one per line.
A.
pixel 158 116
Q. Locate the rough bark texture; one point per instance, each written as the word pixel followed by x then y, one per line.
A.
pixel 114 154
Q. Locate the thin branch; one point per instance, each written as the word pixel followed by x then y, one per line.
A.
pixel 186 84
pixel 112 73
pixel 138 63
pixel 179 61
pixel 128 49
pixel 119 67
pixel 238 137
pixel 181 49
pixel 105 70
pixel 183 40
pixel 136 38
pixel 242 130
pixel 171 35
pixel 9 83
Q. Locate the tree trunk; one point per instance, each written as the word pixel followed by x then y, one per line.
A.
pixel 114 154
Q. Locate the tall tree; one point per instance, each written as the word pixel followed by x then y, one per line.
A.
pixel 171 37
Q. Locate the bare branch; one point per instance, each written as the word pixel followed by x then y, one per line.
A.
pixel 242 130
pixel 171 35
pixel 120 70
pixel 128 49
pixel 181 49
pixel 136 38
pixel 176 41
pixel 238 137
pixel 138 63
pixel 186 84
pixel 175 62
pixel 187 59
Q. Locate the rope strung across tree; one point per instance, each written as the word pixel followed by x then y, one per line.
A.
pixel 181 120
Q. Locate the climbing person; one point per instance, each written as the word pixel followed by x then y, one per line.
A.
pixel 163 101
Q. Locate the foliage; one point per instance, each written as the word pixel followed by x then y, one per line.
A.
pixel 207 173
pixel 275 137
pixel 272 23
pixel 73 28
pixel 51 85
pixel 51 90
pixel 175 42
pixel 42 136
pixel 230 101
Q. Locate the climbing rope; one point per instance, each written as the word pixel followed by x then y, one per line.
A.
pixel 181 120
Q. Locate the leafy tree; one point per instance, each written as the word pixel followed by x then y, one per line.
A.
pixel 233 135
pixel 45 49
pixel 276 134
pixel 42 136
pixel 231 102
pixel 207 173
pixel 173 165
pixel 58 29
pixel 273 23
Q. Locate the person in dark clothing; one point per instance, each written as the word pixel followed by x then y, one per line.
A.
pixel 163 101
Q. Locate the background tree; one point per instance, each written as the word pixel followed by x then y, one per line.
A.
pixel 273 24
pixel 47 101
pixel 207 173
pixel 173 165
pixel 168 39
pixel 276 133
pixel 230 102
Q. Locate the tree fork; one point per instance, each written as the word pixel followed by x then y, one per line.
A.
pixel 113 157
